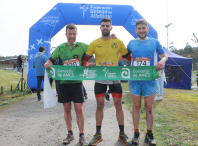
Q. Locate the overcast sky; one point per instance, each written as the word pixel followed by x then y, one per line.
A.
pixel 17 16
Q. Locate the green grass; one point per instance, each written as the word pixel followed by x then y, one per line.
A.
pixel 175 117
pixel 8 78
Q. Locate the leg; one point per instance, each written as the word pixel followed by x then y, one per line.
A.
pixel 116 92
pixel 136 110
pixel 51 81
pixel 85 93
pixel 80 116
pixel 67 115
pixel 161 87
pixel 149 138
pixel 99 111
pixel 119 110
pixel 56 82
pixel 149 110
pixel 158 85
pixel 39 80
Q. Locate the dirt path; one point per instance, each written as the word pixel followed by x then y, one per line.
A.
pixel 27 123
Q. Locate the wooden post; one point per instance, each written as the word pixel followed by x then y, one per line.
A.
pixel 1 89
pixel 22 81
pixel 11 87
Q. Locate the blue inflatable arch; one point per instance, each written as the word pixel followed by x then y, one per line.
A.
pixel 61 14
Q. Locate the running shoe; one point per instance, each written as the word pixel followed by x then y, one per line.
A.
pixel 149 139
pixel 158 98
pixel 136 138
pixel 107 96
pixel 68 139
pixel 96 139
pixel 83 141
pixel 124 139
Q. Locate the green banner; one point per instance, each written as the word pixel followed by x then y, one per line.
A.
pixel 141 73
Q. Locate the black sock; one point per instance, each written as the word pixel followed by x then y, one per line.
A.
pixel 98 129
pixel 121 129
pixel 71 132
pixel 81 134
pixel 149 131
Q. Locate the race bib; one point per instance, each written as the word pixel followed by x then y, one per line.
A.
pixel 71 62
pixel 105 64
pixel 141 61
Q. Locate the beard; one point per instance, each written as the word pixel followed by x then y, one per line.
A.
pixel 105 33
pixel 142 37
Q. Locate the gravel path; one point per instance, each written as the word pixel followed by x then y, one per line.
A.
pixel 27 123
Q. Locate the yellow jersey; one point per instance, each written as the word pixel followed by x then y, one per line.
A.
pixel 106 51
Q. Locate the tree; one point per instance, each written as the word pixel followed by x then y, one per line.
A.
pixel 194 39
pixel 188 48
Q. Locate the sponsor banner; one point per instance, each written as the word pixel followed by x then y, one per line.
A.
pixel 142 73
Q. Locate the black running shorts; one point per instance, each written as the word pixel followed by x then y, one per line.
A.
pixel 100 90
pixel 70 92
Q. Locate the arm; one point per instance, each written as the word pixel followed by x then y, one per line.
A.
pixel 86 59
pixel 160 65
pixel 88 55
pixel 48 64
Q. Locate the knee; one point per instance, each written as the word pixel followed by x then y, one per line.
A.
pixel 67 109
pixel 118 105
pixel 79 110
pixel 136 108
pixel 149 109
pixel 100 106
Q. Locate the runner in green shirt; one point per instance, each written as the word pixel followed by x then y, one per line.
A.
pixel 71 54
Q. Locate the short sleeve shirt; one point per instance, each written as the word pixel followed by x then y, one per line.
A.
pixel 67 55
pixel 106 51
pixel 144 52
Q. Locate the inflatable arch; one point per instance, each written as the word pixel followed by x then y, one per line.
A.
pixel 61 14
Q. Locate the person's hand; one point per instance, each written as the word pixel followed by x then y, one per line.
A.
pixel 47 65
pixel 90 64
pixel 113 36
pixel 160 65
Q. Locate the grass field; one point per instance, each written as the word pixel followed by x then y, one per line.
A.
pixel 175 117
pixel 8 78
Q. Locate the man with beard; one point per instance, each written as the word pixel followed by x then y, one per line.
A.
pixel 106 52
pixel 143 51
pixel 71 54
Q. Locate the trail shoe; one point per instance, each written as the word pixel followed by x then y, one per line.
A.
pixel 124 139
pixel 83 141
pixel 149 139
pixel 96 139
pixel 68 139
pixel 107 96
pixel 136 138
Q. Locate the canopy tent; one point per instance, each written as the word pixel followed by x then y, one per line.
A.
pixel 41 33
pixel 178 71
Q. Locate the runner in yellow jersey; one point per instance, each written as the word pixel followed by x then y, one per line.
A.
pixel 107 52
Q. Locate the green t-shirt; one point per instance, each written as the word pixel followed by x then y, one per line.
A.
pixel 70 57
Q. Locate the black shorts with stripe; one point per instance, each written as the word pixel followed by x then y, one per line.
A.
pixel 115 89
